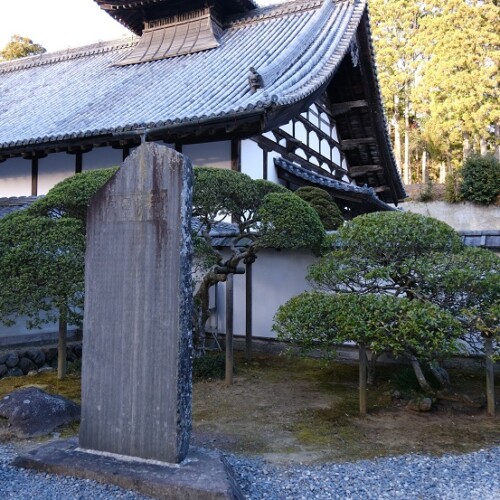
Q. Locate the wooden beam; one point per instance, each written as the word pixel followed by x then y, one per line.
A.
pixel 348 144
pixel 360 170
pixel 340 108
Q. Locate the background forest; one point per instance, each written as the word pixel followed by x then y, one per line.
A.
pixel 438 65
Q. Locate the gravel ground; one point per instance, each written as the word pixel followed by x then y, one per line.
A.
pixel 472 476
pixel 466 477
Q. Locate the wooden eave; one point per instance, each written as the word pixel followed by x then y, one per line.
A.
pixel 133 13
pixel 355 104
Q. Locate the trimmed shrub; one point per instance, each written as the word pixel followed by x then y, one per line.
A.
pixel 328 211
pixel 481 179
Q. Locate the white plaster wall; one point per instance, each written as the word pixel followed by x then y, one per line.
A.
pixel 251 159
pixel 102 158
pixel 277 277
pixel 209 154
pixel 272 171
pixel 460 216
pixel 15 177
pixel 53 169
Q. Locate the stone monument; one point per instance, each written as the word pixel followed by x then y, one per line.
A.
pixel 136 375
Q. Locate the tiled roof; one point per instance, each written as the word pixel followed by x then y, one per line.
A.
pixel 365 193
pixel 79 93
pixel 483 239
pixel 14 204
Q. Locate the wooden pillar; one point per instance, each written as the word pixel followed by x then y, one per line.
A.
pixel 490 375
pixel 34 176
pixel 264 164
pixel 235 155
pixel 248 309
pixel 362 379
pixel 78 162
pixel 229 329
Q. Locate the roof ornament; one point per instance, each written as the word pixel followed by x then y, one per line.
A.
pixel 354 50
pixel 254 80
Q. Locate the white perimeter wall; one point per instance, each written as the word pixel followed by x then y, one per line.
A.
pixel 277 277
pixel 15 177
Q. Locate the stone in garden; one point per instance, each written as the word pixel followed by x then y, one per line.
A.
pixel 420 404
pixel 136 374
pixel 3 370
pixel 32 412
pixel 26 365
pixel 12 360
pixel 3 357
pixel 37 356
pixel 15 372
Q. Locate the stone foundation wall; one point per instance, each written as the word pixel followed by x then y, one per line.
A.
pixel 19 362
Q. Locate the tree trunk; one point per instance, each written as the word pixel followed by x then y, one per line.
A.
pixel 61 346
pixel 422 381
pixel 407 172
pixel 397 135
pixel 425 174
pixel 483 146
pixel 442 172
pixel 466 147
pixel 497 141
pixel 229 330
pixel 372 368
pixel 490 375
pixel 440 373
pixel 363 362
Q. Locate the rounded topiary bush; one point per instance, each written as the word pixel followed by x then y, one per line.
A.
pixel 328 211
pixel 481 179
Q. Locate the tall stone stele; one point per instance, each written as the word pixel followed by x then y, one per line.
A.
pixel 136 374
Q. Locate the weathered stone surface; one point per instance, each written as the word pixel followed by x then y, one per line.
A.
pixel 12 360
pixel 45 369
pixel 33 412
pixel 204 475
pixel 136 376
pixel 26 365
pixel 50 354
pixel 3 370
pixel 420 405
pixel 15 372
pixel 3 357
pixel 37 356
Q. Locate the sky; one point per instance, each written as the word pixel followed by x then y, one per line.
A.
pixel 61 24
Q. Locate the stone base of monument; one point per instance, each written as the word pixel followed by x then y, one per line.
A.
pixel 203 475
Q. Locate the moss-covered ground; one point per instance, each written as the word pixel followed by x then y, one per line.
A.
pixel 299 409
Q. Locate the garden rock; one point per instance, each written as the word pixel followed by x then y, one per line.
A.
pixel 37 356
pixel 26 365
pixel 15 372
pixel 420 405
pixel 3 370
pixel 32 412
pixel 3 357
pixel 12 360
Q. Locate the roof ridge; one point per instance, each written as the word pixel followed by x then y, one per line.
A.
pixel 67 54
pixel 272 11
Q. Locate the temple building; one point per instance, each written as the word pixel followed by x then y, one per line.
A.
pixel 287 93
